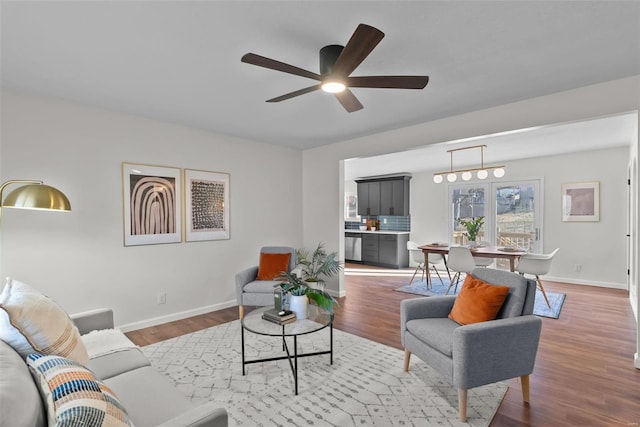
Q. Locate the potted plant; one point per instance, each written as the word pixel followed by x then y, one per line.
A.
pixel 301 293
pixel 318 265
pixel 473 227
pixel 309 286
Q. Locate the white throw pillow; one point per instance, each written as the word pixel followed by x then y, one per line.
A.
pixel 31 322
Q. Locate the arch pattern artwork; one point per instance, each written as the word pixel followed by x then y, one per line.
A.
pixel 153 203
pixel 152 199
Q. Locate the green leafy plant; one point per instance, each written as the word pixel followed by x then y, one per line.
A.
pixel 473 226
pixel 318 265
pixel 297 286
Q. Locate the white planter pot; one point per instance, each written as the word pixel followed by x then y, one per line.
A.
pixel 299 304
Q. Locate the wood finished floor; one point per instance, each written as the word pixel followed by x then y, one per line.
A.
pixel 584 374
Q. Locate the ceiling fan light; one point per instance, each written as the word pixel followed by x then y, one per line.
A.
pixel 333 87
pixel 452 177
pixel 466 176
pixel 498 173
pixel 437 179
pixel 482 174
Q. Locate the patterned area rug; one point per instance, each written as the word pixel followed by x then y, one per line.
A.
pixel 365 386
pixel 540 307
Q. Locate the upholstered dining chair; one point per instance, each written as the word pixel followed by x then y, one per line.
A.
pixel 460 261
pixel 475 354
pixel 255 285
pixel 418 257
pixel 537 265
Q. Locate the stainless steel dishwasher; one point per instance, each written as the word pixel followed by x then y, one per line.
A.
pixel 353 247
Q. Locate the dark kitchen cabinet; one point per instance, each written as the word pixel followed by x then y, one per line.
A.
pixel 385 250
pixel 384 196
pixel 369 198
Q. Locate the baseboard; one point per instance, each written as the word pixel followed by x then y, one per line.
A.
pixel 175 316
pixel 575 281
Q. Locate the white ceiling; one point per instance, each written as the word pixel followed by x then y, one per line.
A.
pixel 595 134
pixel 179 61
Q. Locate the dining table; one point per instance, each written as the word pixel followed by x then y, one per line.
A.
pixel 502 252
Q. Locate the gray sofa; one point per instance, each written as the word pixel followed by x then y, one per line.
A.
pixel 149 398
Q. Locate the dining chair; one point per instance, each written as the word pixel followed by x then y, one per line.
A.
pixel 459 260
pixel 536 264
pixel 433 261
pixel 483 261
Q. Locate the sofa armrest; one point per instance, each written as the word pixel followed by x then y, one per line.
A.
pixel 93 320
pixel 242 278
pixel 496 350
pixel 208 414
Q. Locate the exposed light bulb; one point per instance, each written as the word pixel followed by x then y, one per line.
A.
pixel 482 174
pixel 452 177
pixel 437 179
pixel 498 173
pixel 466 176
pixel 333 87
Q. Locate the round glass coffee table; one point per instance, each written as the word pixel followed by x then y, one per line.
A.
pixel 317 319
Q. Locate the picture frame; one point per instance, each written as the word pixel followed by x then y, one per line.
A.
pixel 152 200
pixel 206 205
pixel 581 201
pixel 351 206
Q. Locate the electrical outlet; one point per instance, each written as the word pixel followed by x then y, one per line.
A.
pixel 385 221
pixel 162 298
pixel 577 268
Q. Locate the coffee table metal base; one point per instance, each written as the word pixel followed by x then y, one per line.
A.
pixel 293 359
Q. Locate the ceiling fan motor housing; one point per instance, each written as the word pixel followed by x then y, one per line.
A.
pixel 328 57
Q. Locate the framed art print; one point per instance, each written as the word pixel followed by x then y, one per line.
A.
pixel 206 205
pixel 152 199
pixel 581 201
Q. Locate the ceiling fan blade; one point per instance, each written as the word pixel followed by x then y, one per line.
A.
pixel 295 93
pixel 359 46
pixel 349 101
pixel 272 64
pixel 389 82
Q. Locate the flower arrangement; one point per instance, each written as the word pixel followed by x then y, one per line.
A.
pixel 473 226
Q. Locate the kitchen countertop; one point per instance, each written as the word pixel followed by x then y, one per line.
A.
pixel 377 232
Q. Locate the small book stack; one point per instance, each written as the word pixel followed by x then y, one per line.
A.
pixel 280 317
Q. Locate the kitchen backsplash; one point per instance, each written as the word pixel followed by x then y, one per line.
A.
pixel 393 223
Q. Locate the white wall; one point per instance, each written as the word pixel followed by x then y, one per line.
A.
pixel 603 264
pixel 78 258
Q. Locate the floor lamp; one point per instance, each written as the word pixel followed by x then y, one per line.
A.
pixel 34 195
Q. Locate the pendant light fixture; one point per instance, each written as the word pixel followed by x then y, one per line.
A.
pixel 482 172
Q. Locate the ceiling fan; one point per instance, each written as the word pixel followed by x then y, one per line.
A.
pixel 336 65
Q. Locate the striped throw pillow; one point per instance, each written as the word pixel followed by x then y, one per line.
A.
pixel 74 396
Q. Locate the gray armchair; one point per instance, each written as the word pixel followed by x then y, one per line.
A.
pixel 480 353
pixel 252 292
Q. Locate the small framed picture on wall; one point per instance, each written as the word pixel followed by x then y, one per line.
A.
pixel 581 201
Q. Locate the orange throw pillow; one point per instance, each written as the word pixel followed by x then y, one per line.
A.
pixel 271 265
pixel 478 301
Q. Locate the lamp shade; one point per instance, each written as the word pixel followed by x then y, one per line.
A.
pixel 37 196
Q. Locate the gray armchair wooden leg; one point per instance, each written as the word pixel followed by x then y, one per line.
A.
pixel 407 357
pixel 462 404
pixel 241 311
pixel 524 382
